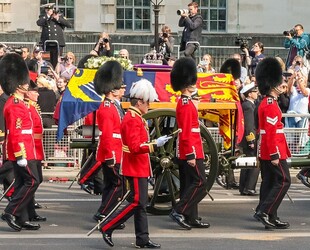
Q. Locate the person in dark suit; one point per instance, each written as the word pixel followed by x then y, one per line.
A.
pixel 53 24
pixel 192 22
pixel 248 177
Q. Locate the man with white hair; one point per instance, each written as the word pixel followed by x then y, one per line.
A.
pixel 136 165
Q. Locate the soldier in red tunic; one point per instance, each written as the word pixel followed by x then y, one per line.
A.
pixel 136 165
pixel 108 81
pixel 189 147
pixel 19 140
pixel 272 146
pixel 31 98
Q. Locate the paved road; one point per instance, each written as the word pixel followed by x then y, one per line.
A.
pixel 69 214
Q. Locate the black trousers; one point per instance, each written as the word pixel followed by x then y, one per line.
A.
pixel 192 188
pixel 190 50
pixel 276 181
pixel 137 207
pixel 27 180
pixel 113 189
pixel 249 176
pixel 31 206
pixel 305 172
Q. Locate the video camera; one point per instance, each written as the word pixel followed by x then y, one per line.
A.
pixel 243 42
pixel 291 32
pixel 17 50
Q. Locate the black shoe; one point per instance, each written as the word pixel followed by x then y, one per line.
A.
pixel 30 226
pixel 98 216
pixel 303 179
pixel 86 188
pixel 233 185
pixel 37 205
pixel 179 218
pixel 281 224
pixel 11 220
pixel 150 244
pixel 120 226
pixel 264 218
pixel 249 192
pixel 198 224
pixel 107 237
pixel 38 218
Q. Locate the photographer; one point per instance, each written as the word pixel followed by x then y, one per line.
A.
pixel 165 42
pixel 53 24
pixel 297 41
pixel 254 56
pixel 103 47
pixel 192 23
pixel 205 65
pixel 299 93
pixel 65 66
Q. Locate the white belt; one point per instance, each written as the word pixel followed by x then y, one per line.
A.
pixel 278 131
pixel 23 132
pixel 114 135
pixel 195 130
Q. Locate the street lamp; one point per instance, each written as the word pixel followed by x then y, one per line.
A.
pixel 156 4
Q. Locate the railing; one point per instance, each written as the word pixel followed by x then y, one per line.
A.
pixel 137 51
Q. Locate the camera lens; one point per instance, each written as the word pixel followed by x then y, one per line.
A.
pixel 106 40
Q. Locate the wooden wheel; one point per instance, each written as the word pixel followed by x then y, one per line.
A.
pixel 164 185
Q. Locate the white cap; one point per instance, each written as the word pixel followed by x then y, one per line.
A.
pixel 248 87
pixel 144 90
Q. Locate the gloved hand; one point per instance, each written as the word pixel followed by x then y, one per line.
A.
pixel 22 162
pixel 162 140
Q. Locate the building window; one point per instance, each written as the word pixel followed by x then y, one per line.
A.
pixel 214 14
pixel 133 15
pixel 66 7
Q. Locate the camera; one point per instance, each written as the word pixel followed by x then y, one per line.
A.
pixel 64 58
pixel 182 11
pixel 17 50
pixel 291 32
pixel 165 35
pixel 243 42
pixel 44 70
pixel 55 11
pixel 105 40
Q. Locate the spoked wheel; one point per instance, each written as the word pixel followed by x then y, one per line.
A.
pixel 165 185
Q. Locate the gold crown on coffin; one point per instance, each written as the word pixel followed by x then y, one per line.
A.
pixel 153 58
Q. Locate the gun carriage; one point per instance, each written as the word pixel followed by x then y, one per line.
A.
pixel 164 185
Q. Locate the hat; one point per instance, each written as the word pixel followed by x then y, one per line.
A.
pixel 268 74
pixel 33 86
pixel 248 88
pixel 13 72
pixel 48 6
pixel 144 90
pixel 183 73
pixel 108 77
pixel 37 49
pixel 233 67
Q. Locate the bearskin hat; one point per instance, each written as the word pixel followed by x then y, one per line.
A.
pixel 268 74
pixel 144 90
pixel 231 66
pixel 108 77
pixel 13 73
pixel 183 73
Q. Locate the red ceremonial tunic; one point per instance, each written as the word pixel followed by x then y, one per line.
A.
pixel 136 145
pixel 19 133
pixel 189 143
pixel 272 143
pixel 37 128
pixel 109 148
